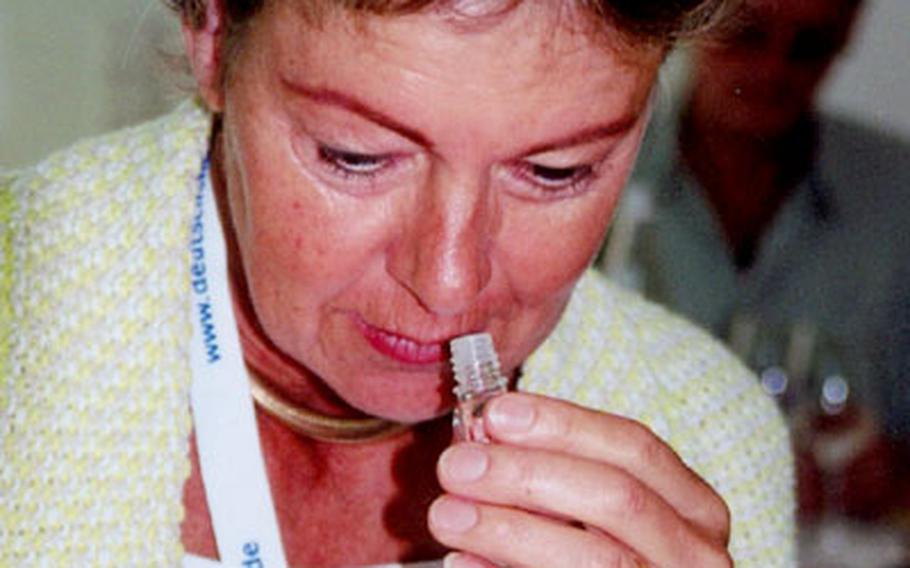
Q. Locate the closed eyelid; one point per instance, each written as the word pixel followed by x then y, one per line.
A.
pixel 572 158
pixel 330 153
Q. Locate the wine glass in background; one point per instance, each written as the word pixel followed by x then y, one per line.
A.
pixel 844 467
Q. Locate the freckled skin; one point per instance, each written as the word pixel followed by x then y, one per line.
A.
pixel 456 236
pixel 446 243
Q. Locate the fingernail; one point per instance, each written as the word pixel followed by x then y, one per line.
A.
pixel 457 560
pixel 511 414
pixel 453 515
pixel 464 463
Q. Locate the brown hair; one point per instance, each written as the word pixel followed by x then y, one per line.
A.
pixel 661 21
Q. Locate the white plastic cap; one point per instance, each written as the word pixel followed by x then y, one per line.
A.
pixel 470 352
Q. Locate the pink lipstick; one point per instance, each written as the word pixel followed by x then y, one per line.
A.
pixel 401 348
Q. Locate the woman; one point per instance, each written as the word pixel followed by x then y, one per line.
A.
pixel 388 178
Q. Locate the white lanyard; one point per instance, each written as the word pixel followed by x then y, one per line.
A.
pixel 230 457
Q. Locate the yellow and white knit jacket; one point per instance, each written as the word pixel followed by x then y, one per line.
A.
pixel 95 367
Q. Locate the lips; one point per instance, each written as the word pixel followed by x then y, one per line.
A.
pixel 401 348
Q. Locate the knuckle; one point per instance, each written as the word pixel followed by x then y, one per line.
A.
pixel 635 499
pixel 719 559
pixel 606 557
pixel 525 480
pixel 722 520
pixel 627 497
pixel 565 427
pixel 647 448
pixel 716 518
pixel 651 451
pixel 513 531
pixel 694 551
pixel 689 550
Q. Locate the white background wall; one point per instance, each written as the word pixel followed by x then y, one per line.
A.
pixel 72 68
pixel 873 79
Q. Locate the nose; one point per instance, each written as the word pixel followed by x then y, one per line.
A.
pixel 442 254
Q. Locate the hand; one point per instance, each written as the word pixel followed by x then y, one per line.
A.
pixel 565 486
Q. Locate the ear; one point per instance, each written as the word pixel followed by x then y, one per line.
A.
pixel 203 47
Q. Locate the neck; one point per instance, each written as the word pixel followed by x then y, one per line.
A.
pixel 386 488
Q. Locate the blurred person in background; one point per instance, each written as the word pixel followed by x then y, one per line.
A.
pixel 779 228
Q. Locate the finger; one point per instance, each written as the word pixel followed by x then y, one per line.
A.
pixel 466 560
pixel 517 538
pixel 593 493
pixel 546 423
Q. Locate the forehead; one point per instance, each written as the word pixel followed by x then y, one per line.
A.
pixel 531 47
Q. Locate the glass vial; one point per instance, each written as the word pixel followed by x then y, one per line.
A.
pixel 477 380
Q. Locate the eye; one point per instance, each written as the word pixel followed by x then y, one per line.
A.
pixel 556 178
pixel 349 163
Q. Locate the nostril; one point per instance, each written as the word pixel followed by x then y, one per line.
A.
pixel 444 280
pixel 452 284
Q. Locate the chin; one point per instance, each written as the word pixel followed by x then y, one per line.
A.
pixel 402 397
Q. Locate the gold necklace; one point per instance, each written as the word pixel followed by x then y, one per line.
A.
pixel 318 426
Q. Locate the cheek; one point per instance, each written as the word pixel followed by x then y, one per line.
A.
pixel 543 253
pixel 302 246
pixel 547 247
pixel 548 251
pixel 306 248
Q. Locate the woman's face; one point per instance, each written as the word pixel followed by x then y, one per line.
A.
pixel 400 181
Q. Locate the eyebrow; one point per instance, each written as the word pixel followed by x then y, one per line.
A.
pixel 348 102
pixel 585 136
